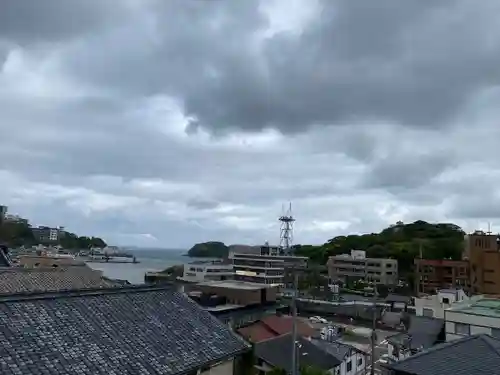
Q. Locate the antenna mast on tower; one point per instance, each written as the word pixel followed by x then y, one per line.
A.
pixel 286 230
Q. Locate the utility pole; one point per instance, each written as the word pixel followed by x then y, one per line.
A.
pixel 374 335
pixel 295 360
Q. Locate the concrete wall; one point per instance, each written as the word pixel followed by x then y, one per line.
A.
pixel 224 368
pixel 239 296
pixel 435 305
pixel 456 322
pixel 205 272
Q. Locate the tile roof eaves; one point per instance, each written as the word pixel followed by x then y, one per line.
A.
pixel 488 340
pixel 438 348
pixel 47 294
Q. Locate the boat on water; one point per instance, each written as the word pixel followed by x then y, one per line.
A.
pixel 109 259
pixel 109 254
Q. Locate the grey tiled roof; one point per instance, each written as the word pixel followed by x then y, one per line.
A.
pixel 423 333
pixel 122 331
pixel 278 351
pixel 19 280
pixel 478 354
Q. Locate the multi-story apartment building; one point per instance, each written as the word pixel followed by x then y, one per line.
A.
pixel 200 271
pixel 355 266
pixel 8 218
pixel 432 275
pixel 266 267
pixel 482 250
pixel 46 234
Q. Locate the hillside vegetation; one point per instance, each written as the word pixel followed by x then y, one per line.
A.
pixel 401 241
pixel 20 234
pixel 212 249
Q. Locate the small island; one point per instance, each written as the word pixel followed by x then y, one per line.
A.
pixel 212 249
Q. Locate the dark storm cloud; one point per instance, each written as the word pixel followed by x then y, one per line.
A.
pixel 413 62
pixel 79 113
pixel 29 21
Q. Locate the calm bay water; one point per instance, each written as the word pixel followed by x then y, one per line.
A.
pixel 150 260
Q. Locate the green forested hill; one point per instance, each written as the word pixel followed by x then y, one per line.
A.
pixel 211 249
pixel 401 241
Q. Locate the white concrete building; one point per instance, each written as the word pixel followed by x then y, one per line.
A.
pixel 434 305
pixel 477 315
pixel 200 271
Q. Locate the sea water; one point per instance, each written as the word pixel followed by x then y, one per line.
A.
pixel 149 260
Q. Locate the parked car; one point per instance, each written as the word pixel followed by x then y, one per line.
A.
pixel 318 319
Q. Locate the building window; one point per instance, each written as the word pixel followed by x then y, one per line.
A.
pixel 446 301
pixel 462 329
pixel 349 366
pixel 360 361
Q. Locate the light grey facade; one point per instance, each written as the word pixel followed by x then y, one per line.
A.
pixel 348 268
pixel 266 267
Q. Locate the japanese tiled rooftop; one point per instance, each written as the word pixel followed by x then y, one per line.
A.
pixel 18 279
pixel 478 306
pixel 471 355
pixel 133 330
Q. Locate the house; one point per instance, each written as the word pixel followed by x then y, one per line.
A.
pixel 434 305
pixel 479 314
pixel 471 355
pixel 128 331
pixel 333 357
pixel 273 326
pixel 423 333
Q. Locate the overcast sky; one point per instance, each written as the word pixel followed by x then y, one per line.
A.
pixel 169 122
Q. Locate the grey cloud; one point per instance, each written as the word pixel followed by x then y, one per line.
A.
pixel 402 172
pixel 393 62
pixel 202 204
pixel 351 83
pixel 32 21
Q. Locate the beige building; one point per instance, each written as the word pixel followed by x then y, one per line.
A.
pixel 482 252
pixel 355 266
